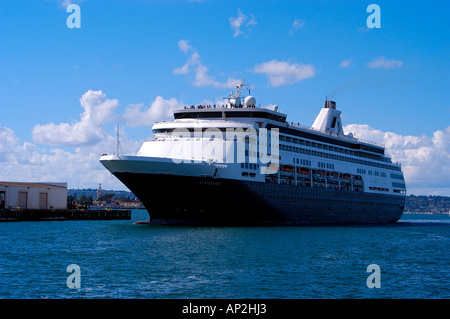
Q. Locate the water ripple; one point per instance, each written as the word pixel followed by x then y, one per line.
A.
pixel 119 259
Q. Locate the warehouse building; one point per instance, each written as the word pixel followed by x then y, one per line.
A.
pixel 21 195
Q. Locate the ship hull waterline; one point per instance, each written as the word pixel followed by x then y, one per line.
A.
pixel 207 201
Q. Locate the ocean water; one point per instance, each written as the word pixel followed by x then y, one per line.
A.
pixel 119 259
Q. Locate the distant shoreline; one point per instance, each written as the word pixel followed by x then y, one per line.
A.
pixel 428 213
pixel 95 207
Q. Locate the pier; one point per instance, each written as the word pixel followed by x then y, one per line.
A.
pixel 16 215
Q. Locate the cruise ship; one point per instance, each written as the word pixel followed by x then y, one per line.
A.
pixel 239 164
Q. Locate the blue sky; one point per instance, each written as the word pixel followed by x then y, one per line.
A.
pixel 391 83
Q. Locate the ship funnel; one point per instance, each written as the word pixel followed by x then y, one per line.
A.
pixel 329 119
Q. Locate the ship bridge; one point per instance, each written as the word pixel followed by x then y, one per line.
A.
pixel 208 112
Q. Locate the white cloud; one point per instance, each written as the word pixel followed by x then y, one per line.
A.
pixel 8 139
pixel 239 21
pixel 192 62
pixel 66 3
pixel 184 46
pixel 88 130
pixel 252 21
pixel 201 76
pixel 160 109
pixel 382 63
pixel 297 24
pixel 425 160
pixel 345 63
pixel 282 73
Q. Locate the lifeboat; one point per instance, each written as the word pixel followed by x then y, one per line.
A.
pixel 357 180
pixel 346 178
pixel 286 170
pixel 303 172
pixel 333 177
pixel 319 175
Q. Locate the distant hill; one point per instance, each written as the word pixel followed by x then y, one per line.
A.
pixel 427 204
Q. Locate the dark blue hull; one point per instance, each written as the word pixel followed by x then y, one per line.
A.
pixel 182 200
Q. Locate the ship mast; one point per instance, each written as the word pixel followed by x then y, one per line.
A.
pixel 118 147
pixel 235 98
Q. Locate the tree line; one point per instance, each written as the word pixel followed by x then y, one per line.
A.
pixel 427 204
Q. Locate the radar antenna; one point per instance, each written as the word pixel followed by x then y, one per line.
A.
pixel 238 88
